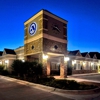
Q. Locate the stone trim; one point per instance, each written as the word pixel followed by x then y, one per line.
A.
pixel 45 36
pixel 54 38
pixel 32 18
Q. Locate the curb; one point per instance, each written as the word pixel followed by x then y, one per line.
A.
pixel 52 89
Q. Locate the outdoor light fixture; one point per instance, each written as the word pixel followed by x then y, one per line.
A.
pixel 66 58
pixel 23 60
pixel 6 61
pixel 83 63
pixel 92 63
pixel 45 56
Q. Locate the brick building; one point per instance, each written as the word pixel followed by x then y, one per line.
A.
pixel 45 41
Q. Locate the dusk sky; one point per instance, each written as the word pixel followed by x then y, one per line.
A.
pixel 83 18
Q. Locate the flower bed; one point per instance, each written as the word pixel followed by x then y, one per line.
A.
pixel 65 84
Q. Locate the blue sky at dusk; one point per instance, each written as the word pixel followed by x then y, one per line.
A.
pixel 83 18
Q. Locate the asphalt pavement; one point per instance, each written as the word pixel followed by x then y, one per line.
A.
pixel 12 89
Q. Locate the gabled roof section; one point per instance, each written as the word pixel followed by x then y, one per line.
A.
pixel 1 52
pixel 97 54
pixel 9 51
pixel 85 54
pixel 93 55
pixel 74 53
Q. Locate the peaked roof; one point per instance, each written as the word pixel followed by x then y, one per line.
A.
pixel 92 54
pixel 73 53
pixel 95 53
pixel 84 54
pixel 1 53
pixel 10 51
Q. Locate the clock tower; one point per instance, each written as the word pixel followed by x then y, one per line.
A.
pixel 46 37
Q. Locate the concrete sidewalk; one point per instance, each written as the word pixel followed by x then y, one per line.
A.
pixel 86 74
pixel 78 77
pixel 82 77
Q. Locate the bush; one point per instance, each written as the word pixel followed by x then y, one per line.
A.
pixel 17 66
pixel 5 72
pixel 44 80
pixel 1 68
pixel 65 84
pixel 29 70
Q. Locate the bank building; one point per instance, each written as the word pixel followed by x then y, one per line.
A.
pixel 45 41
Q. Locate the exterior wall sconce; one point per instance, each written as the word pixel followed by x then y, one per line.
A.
pixel 6 61
pixel 23 60
pixel 66 58
pixel 92 63
pixel 45 56
pixel 83 63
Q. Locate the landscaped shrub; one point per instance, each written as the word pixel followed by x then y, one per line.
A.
pixel 17 67
pixel 66 84
pixel 71 84
pixel 1 68
pixel 45 80
pixel 5 72
pixel 34 71
pixel 31 71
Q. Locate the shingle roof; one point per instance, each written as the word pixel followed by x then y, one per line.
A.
pixel 73 53
pixel 93 53
pixel 84 54
pixel 10 51
pixel 1 53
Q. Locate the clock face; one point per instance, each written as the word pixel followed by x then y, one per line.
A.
pixel 32 28
pixel 55 28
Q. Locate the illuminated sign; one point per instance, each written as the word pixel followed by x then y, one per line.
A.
pixel 32 28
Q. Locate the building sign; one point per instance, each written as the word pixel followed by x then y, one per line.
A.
pixel 32 28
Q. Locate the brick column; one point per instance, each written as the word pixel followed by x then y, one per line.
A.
pixel 63 68
pixel 48 67
pixel 44 63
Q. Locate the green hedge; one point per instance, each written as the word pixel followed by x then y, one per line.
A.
pixel 66 84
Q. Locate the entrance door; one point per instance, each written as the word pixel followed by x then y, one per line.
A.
pixel 55 68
